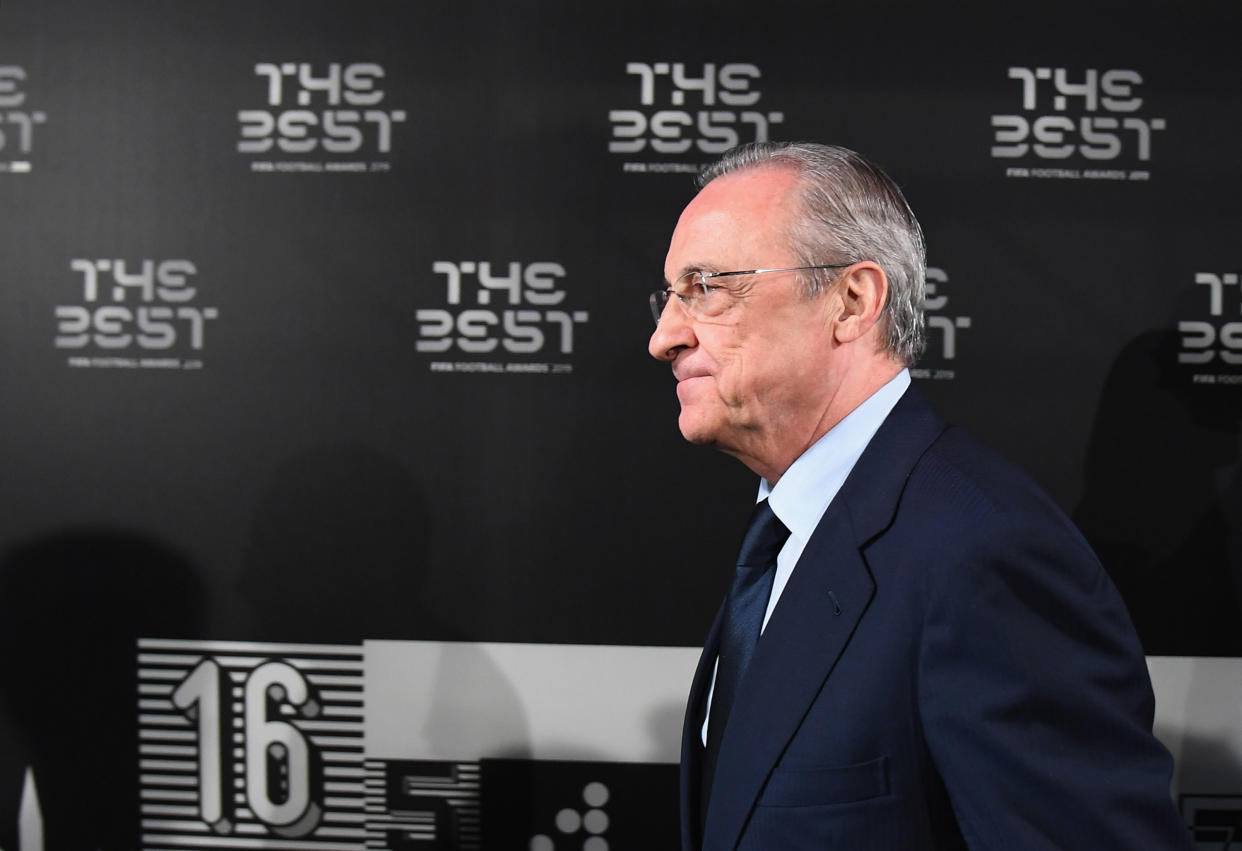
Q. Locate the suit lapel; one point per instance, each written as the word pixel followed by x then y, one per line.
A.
pixel 784 679
pixel 691 737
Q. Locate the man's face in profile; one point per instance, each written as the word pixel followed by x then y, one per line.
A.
pixel 753 372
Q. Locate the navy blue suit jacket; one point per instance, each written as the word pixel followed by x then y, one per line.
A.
pixel 948 667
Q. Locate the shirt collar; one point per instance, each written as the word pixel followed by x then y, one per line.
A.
pixel 807 488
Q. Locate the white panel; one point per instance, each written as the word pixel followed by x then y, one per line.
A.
pixel 1199 719
pixel 466 701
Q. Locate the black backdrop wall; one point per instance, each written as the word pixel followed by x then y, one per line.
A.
pixel 326 402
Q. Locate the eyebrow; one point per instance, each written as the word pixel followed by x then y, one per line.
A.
pixel 695 267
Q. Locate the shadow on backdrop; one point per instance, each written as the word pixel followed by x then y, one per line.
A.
pixel 1163 499
pixel 337 553
pixel 72 606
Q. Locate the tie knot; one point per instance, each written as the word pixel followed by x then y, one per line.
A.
pixel 765 536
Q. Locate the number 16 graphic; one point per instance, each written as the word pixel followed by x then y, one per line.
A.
pixel 282 773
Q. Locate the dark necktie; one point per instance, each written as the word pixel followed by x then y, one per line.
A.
pixel 739 631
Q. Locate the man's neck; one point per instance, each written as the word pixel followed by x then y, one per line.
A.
pixel 858 389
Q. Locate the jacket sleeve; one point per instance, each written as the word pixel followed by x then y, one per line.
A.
pixel 1035 697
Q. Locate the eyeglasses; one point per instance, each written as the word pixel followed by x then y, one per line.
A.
pixel 701 300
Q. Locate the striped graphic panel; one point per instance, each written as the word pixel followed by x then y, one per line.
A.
pixel 423 801
pixel 251 745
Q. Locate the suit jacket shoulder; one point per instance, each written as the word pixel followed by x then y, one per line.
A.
pixel 948 665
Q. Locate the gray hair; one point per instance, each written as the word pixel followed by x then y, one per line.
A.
pixel 850 211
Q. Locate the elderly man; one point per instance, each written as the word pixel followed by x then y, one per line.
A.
pixel 919 650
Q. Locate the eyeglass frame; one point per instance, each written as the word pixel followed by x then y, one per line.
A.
pixel 661 297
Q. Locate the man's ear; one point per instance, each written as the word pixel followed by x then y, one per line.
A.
pixel 863 291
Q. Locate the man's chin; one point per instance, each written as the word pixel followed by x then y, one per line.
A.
pixel 698 439
pixel 695 430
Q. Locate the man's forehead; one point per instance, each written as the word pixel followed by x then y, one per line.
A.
pixel 758 187
pixel 741 214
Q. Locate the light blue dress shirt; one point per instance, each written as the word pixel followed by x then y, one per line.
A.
pixel 808 487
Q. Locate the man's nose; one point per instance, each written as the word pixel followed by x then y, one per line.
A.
pixel 673 333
